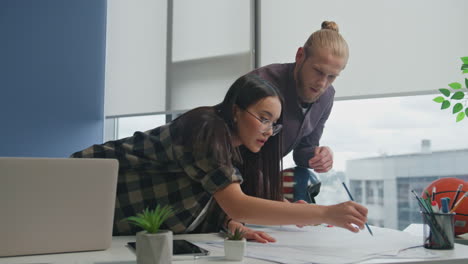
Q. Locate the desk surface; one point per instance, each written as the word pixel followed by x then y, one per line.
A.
pixel 120 254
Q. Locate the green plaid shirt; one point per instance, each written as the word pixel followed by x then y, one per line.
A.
pixel 155 167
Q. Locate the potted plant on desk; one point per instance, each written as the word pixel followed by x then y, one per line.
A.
pixel 154 246
pixel 234 245
pixel 456 95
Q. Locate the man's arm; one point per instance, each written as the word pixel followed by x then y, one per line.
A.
pixel 308 153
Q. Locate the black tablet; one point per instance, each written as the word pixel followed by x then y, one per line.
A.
pixel 181 247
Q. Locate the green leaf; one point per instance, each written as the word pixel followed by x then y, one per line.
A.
pixel 445 92
pixel 458 95
pixel 464 67
pixel 466 111
pixel 151 220
pixel 457 108
pixel 455 85
pixel 238 234
pixel 465 71
pixel 464 60
pixel 460 116
pixel 445 104
pixel 466 83
pixel 438 99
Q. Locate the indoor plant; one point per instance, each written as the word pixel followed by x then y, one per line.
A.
pixel 154 246
pixel 234 245
pixel 456 95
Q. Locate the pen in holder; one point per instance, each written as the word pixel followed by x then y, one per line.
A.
pixel 439 230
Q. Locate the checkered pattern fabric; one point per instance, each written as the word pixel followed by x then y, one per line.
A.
pixel 156 168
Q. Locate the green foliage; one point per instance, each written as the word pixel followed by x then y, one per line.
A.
pixel 464 67
pixel 459 108
pixel 151 220
pixel 238 234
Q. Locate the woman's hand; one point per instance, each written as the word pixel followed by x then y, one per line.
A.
pixel 250 234
pixel 346 215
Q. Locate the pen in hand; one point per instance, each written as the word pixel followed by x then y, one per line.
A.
pixel 351 198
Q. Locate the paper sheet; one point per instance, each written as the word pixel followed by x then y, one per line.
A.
pixel 328 245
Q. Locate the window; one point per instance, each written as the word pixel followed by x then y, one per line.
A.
pixel 377 149
pixel 392 145
pixel 370 197
pixel 356 190
pixel 117 128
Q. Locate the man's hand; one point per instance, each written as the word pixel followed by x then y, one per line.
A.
pixel 251 234
pixel 322 160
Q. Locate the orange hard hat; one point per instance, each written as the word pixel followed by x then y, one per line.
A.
pixel 447 187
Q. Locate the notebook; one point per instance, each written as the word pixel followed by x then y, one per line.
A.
pixel 52 205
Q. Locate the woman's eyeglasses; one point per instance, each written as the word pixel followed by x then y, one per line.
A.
pixel 267 124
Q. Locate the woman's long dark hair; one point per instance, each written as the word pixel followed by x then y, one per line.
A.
pixel 261 171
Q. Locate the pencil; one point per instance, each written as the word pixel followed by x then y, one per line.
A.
pixel 460 187
pixel 458 203
pixel 421 202
pixel 351 197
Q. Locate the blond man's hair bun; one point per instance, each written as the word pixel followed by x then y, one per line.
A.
pixel 330 25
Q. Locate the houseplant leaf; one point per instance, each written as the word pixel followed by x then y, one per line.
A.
pixel 457 108
pixel 466 111
pixel 438 99
pixel 455 85
pixel 464 67
pixel 466 83
pixel 238 234
pixel 445 92
pixel 464 60
pixel 445 104
pixel 458 95
pixel 460 116
pixel 151 220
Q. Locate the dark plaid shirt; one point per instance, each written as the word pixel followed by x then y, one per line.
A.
pixel 159 167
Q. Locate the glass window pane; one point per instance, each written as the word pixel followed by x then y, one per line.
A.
pixel 385 147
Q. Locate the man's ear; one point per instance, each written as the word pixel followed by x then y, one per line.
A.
pixel 300 55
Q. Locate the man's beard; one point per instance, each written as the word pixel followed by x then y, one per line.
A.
pixel 300 88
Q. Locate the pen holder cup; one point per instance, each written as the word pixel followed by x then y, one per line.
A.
pixel 439 230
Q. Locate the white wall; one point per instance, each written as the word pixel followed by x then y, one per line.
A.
pixel 396 47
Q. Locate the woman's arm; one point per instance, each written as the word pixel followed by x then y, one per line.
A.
pixel 252 210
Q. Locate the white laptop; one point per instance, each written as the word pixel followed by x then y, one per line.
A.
pixel 52 205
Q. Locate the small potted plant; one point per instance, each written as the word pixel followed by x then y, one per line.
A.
pixel 456 95
pixel 234 245
pixel 154 246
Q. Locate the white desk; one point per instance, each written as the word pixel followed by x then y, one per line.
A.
pixel 120 254
pixel 418 229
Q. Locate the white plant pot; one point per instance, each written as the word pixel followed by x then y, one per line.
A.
pixel 234 249
pixel 154 248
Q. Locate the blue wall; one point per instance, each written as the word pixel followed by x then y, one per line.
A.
pixel 52 59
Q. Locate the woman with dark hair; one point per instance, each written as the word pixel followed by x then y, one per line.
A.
pixel 214 164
